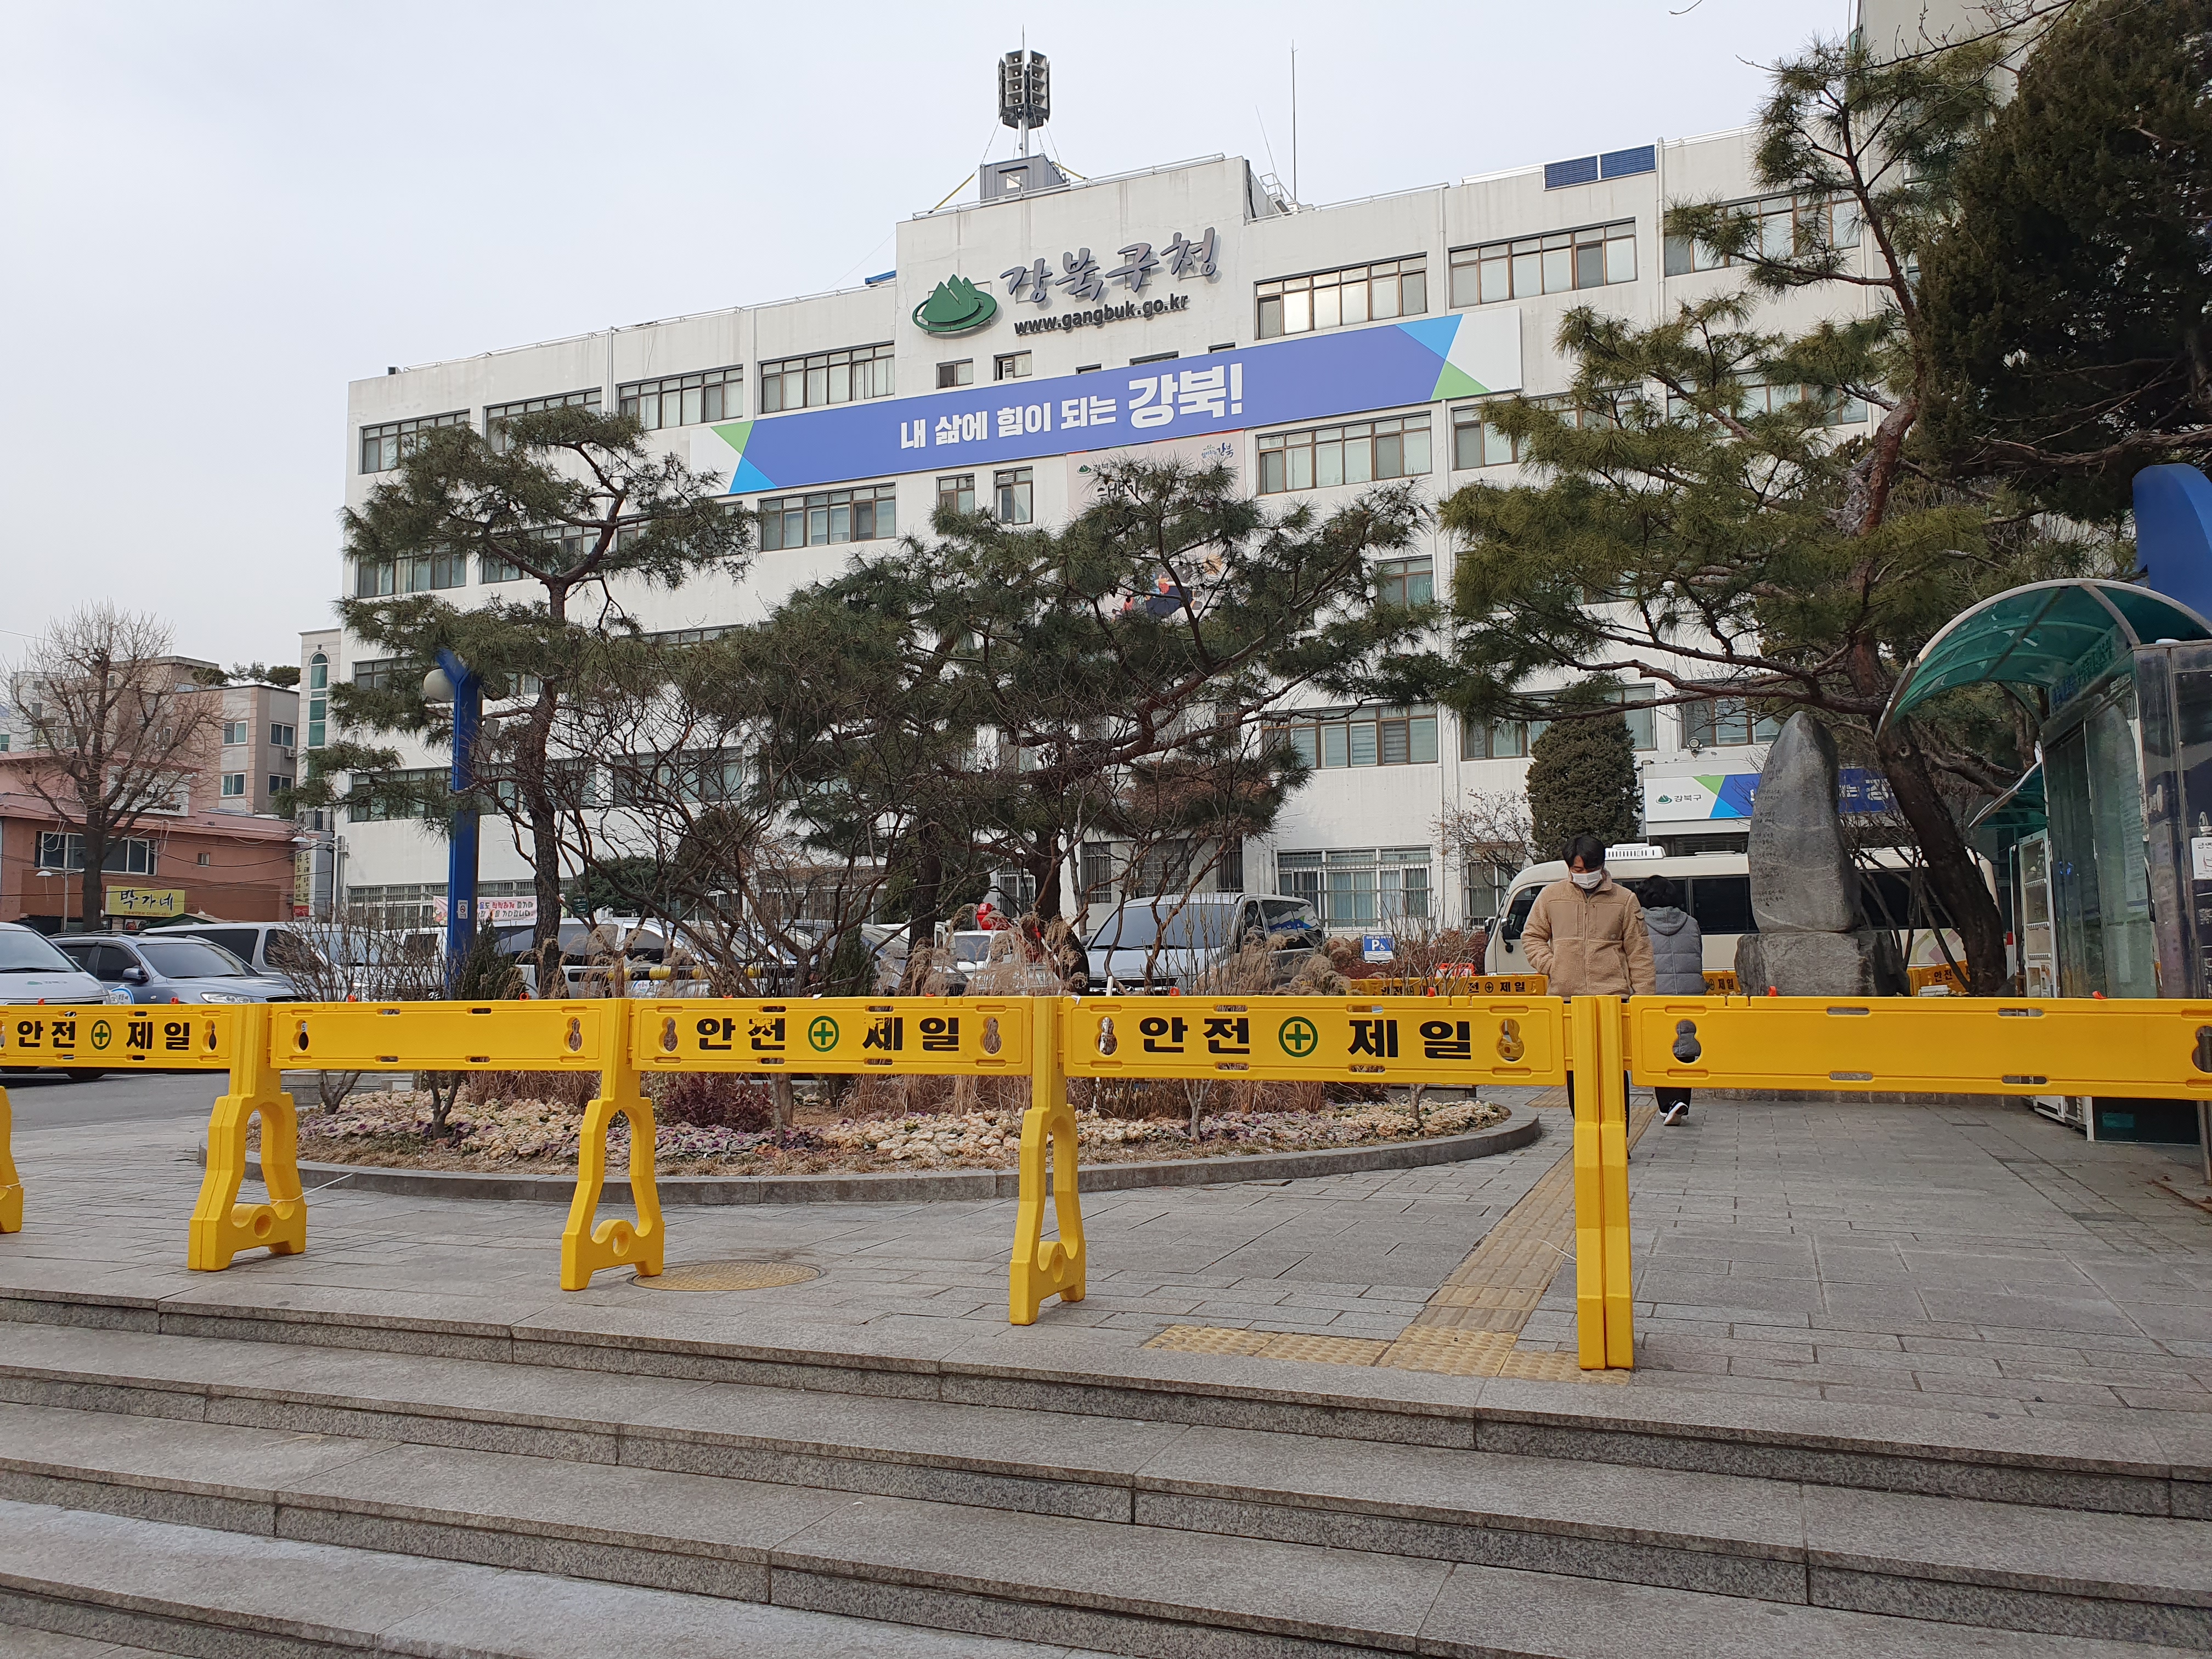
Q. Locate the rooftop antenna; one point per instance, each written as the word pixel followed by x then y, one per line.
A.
pixel 1294 121
pixel 1025 91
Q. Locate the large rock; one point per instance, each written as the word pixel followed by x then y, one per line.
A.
pixel 1802 878
pixel 1862 963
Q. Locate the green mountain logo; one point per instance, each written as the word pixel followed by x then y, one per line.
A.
pixel 954 306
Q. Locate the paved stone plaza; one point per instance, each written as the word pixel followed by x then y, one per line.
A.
pixel 1970 1257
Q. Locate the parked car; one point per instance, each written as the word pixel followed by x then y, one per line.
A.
pixel 1174 940
pixel 259 945
pixel 32 970
pixel 150 968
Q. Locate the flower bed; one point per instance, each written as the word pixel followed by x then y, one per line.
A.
pixel 538 1137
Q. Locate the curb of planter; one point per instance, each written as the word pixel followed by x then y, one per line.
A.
pixel 923 1185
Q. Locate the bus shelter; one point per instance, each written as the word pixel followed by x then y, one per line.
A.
pixel 2109 837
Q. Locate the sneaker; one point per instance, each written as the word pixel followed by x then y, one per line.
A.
pixel 1675 1115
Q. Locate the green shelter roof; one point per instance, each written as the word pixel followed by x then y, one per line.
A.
pixel 2062 636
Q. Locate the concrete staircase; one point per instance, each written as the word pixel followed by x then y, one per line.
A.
pixel 245 1483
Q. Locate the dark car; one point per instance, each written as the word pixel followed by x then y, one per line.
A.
pixel 154 968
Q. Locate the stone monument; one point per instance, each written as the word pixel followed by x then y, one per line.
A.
pixel 1804 889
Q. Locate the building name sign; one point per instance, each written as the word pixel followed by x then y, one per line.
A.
pixel 1082 280
pixel 1313 377
pixel 1706 796
pixel 1127 311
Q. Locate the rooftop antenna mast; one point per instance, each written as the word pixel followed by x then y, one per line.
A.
pixel 1294 121
pixel 1025 91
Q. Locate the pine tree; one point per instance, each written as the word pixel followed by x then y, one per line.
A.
pixel 1581 777
pixel 2068 308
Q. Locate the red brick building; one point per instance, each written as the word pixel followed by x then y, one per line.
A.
pixel 234 866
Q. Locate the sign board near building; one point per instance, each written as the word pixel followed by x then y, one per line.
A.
pixel 1315 377
pixel 520 911
pixel 144 902
pixel 1706 796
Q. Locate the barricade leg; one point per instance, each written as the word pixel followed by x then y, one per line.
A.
pixel 11 1186
pixel 1611 1088
pixel 1585 1016
pixel 1042 1268
pixel 222 1226
pixel 614 1242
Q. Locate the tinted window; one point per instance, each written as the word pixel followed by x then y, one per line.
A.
pixel 1290 916
pixel 1517 917
pixel 1177 925
pixel 1722 904
pixel 239 941
pixel 190 958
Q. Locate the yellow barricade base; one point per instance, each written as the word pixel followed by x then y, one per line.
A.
pixel 11 1185
pixel 1045 1267
pixel 642 1244
pixel 222 1226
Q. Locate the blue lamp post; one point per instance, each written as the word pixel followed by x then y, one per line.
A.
pixel 453 681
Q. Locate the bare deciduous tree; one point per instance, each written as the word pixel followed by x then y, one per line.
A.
pixel 123 725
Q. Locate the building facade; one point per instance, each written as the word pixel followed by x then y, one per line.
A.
pixel 1186 310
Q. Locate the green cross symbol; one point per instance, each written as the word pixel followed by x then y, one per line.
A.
pixel 101 1037
pixel 1298 1037
pixel 823 1034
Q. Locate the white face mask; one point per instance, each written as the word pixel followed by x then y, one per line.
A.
pixel 1586 879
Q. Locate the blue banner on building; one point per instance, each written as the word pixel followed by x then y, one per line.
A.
pixel 1312 378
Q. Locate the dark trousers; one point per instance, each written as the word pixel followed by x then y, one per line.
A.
pixel 1670 1098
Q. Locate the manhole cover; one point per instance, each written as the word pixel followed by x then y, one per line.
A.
pixel 729 1276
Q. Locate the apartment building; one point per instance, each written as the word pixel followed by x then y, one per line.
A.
pixel 1189 310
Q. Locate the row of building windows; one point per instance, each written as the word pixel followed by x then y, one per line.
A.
pixel 1355 453
pixel 234 784
pixel 1337 299
pixel 133 855
pixel 1006 366
pixel 496 416
pixel 1351 888
pixel 826 378
pixel 238 732
pixel 715 394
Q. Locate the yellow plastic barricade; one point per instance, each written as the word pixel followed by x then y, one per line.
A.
pixel 118 1037
pixel 1441 1040
pixel 1461 985
pixel 1041 1267
pixel 220 1225
pixel 614 1242
pixel 11 1185
pixel 1604 1325
pixel 902 1036
pixel 1939 1045
pixel 108 1037
pixel 445 1037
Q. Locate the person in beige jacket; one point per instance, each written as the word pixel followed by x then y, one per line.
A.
pixel 1586 932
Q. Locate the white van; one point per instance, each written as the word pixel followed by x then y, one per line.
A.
pixel 1716 891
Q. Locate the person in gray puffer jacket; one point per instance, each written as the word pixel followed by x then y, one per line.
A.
pixel 1678 957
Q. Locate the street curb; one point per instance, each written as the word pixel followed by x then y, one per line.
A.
pixel 923 1186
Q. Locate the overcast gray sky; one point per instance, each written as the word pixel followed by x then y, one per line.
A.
pixel 217 215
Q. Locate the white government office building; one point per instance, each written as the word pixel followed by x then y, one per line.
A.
pixel 1316 348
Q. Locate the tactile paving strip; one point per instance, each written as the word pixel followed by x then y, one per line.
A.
pixel 729 1276
pixel 1471 1324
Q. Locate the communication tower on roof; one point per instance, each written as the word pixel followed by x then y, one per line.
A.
pixel 1024 102
pixel 1024 92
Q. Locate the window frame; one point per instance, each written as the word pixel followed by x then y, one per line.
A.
pixel 1515 260
pixel 496 416
pixel 719 386
pixel 1284 305
pixel 398 440
pixel 1350 740
pixel 1372 434
pixel 846 361
pixel 1014 494
pixel 777 513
